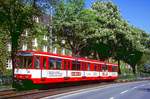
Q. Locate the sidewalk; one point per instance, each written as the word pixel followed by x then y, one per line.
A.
pixel 2 88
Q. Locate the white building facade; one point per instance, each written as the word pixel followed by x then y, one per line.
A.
pixel 35 45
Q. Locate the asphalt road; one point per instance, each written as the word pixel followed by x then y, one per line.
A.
pixel 131 90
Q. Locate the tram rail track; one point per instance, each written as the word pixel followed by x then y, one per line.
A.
pixel 36 94
pixel 7 92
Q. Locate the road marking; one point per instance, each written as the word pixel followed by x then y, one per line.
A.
pixel 134 87
pixel 81 91
pixel 111 98
pixel 124 91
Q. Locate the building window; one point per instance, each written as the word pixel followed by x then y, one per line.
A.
pixel 24 47
pixel 9 64
pixel 55 50
pixel 36 19
pixel 45 48
pixel 9 47
pixel 26 32
pixel 34 42
pixel 63 51
pixel 45 37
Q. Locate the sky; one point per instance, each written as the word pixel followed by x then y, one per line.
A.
pixel 136 12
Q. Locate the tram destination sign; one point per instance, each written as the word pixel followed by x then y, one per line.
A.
pixel 24 54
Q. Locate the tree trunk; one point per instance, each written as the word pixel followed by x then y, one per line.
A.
pixel 119 70
pixel 133 69
pixel 14 47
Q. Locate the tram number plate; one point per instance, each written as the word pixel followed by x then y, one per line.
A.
pixel 75 73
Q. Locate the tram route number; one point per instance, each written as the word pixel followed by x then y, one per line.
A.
pixel 75 73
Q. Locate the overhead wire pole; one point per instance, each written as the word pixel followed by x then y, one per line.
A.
pixel 50 31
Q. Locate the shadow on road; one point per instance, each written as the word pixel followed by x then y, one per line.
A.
pixel 144 89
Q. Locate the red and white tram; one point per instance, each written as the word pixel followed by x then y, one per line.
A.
pixel 45 68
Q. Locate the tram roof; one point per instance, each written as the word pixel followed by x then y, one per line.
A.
pixel 39 53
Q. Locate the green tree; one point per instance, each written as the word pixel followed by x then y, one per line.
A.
pixel 74 24
pixel 3 50
pixel 15 17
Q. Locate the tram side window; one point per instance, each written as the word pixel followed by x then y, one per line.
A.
pixel 100 67
pixel 78 65
pixel 114 68
pixel 58 63
pixel 65 64
pixel 44 62
pixel 95 67
pixel 106 67
pixel 52 63
pixel 36 62
pixel 83 66
pixel 88 67
pixel 103 67
pixel 75 65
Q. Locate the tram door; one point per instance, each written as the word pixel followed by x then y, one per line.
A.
pixel 66 67
pixel 105 70
pixel 43 67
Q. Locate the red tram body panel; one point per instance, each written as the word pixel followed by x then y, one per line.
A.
pixel 45 68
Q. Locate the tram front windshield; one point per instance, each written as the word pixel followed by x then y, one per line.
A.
pixel 23 61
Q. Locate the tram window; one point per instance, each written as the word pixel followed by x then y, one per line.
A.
pixel 106 67
pixel 100 68
pixel 83 66
pixel 52 63
pixel 24 62
pixel 44 62
pixel 88 67
pixel 103 67
pixel 74 65
pixel 95 67
pixel 37 62
pixel 29 62
pixel 65 64
pixel 114 68
pixel 58 63
pixel 78 66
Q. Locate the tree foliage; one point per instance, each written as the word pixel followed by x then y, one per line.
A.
pixel 100 32
pixel 74 24
pixel 3 51
pixel 15 17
